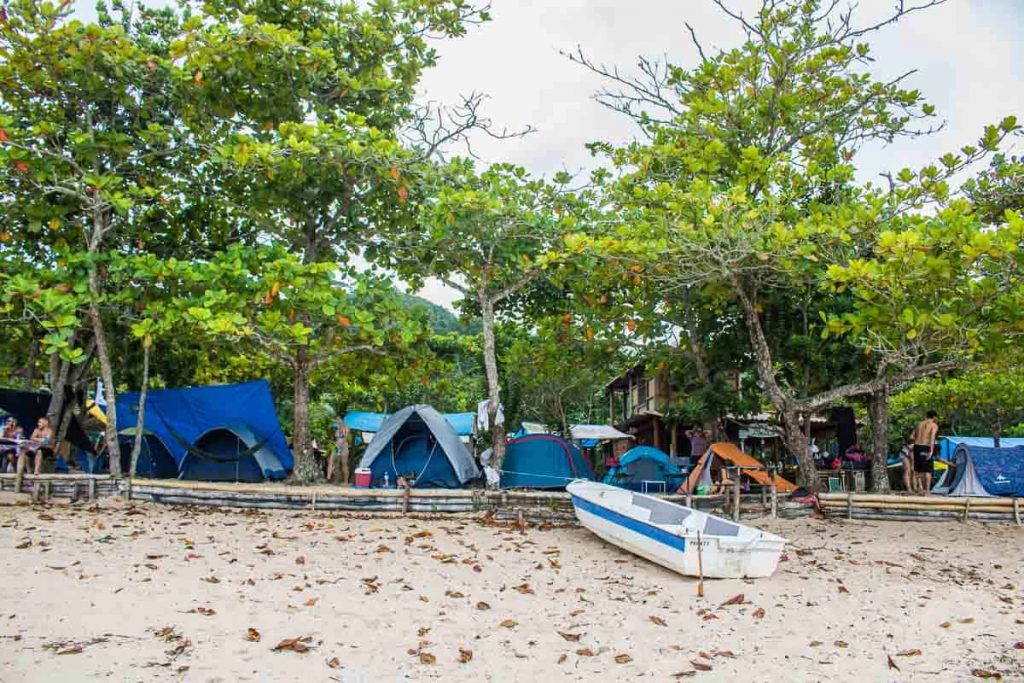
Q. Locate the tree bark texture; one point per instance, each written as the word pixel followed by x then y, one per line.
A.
pixel 306 468
pixel 493 387
pixel 878 413
pixel 106 373
pixel 141 421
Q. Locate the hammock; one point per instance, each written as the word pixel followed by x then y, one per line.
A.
pixel 207 455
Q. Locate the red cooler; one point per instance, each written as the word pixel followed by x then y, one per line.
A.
pixel 364 478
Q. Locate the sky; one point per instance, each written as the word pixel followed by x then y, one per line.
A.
pixel 967 54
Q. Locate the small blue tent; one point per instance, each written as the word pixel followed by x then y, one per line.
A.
pixel 543 461
pixel 227 432
pixel 980 471
pixel 418 443
pixel 645 469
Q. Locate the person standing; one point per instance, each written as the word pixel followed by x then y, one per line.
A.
pixel 924 448
pixel 698 442
pixel 338 463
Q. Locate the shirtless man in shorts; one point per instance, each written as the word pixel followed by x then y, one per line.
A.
pixel 924 446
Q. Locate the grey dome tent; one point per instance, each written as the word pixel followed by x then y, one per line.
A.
pixel 417 442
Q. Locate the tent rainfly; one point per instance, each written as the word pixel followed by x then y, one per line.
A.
pixel 543 461
pixel 730 454
pixel 597 433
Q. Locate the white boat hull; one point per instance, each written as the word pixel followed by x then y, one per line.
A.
pixel 748 554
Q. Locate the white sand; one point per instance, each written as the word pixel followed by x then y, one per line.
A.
pixel 108 581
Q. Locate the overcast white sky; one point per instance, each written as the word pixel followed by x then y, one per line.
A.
pixel 968 54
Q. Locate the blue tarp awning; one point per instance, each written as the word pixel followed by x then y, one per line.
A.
pixel 363 421
pixel 179 417
pixel 948 444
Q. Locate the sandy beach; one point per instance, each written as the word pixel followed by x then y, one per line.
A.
pixel 143 592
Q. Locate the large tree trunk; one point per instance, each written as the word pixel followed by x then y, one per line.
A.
pixel 59 370
pixel 878 413
pixel 796 441
pixel 493 387
pixel 140 423
pixel 106 372
pixel 799 446
pixel 306 469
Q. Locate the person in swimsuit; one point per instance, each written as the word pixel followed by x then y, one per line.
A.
pixel 924 447
pixel 43 438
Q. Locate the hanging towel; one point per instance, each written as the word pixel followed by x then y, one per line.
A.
pixel 483 422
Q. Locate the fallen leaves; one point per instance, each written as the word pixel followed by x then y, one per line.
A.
pixel 586 652
pixel 371 585
pixel 734 600
pixel 562 657
pixel 465 656
pixel 571 637
pixel 758 613
pixel 524 589
pixel 986 673
pixel 482 605
pixel 427 658
pixel 253 635
pixel 658 621
pixel 509 623
pixel 623 659
pixel 909 653
pixel 700 666
pixel 211 579
pixel 294 644
pixel 334 662
pixel 892 664
pixel 205 611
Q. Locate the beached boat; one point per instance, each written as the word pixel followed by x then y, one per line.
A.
pixel 667 534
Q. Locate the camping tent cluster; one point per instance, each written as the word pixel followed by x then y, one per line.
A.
pixel 227 432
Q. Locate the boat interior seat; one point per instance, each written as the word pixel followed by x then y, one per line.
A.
pixel 718 527
pixel 662 512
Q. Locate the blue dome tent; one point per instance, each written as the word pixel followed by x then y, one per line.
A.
pixel 645 469
pixel 419 441
pixel 543 461
pixel 227 432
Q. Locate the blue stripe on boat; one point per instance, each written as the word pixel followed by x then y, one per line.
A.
pixel 642 528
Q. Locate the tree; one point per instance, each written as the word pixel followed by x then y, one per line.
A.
pixel 86 133
pixel 488 235
pixel 744 190
pixel 986 401
pixel 558 374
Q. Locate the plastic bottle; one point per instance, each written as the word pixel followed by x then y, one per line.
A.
pixel 386 483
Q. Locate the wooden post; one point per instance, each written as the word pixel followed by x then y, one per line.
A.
pixel 689 497
pixel 736 496
pixel 405 500
pixel 1016 510
pixel 849 504
pixel 46 491
pixel 92 489
pixel 967 507
pixel 775 500
pixel 18 479
pixel 700 568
